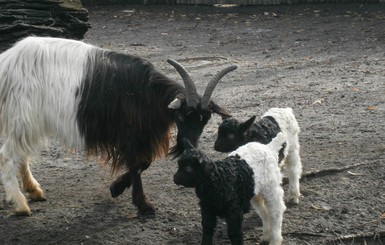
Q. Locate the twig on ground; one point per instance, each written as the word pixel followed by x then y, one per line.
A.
pixel 298 233
pixel 323 172
pixel 374 236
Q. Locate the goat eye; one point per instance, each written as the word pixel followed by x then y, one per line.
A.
pixel 188 169
pixel 230 136
pixel 180 117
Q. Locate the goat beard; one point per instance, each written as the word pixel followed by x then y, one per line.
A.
pixel 178 148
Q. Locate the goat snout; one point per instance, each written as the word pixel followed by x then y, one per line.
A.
pixel 220 147
pixel 177 179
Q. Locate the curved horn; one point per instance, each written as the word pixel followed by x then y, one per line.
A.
pixel 212 84
pixel 191 90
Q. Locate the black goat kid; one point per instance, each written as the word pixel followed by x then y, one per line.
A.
pixel 249 176
pixel 224 189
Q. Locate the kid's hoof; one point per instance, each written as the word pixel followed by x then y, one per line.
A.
pixel 292 203
pixel 38 198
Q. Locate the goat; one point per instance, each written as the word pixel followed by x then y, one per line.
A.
pixel 232 134
pixel 226 188
pixel 98 100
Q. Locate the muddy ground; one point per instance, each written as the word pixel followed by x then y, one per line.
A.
pixel 327 62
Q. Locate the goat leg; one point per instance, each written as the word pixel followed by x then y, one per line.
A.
pixel 234 226
pixel 120 184
pixel 209 222
pixel 145 208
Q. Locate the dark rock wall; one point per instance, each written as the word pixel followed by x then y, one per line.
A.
pixel 21 18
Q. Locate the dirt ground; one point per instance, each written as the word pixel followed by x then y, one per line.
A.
pixel 327 62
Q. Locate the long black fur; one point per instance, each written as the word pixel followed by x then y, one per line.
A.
pixel 263 131
pixel 229 186
pixel 123 109
pixel 123 112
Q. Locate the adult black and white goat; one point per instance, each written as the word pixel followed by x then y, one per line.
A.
pixel 99 100
pixel 232 134
pixel 226 188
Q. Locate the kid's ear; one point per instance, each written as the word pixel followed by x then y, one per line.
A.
pixel 205 163
pixel 246 125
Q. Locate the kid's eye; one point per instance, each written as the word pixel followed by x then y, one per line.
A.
pixel 230 136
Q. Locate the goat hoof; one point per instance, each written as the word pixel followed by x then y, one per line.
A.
pixel 37 198
pixel 147 212
pixel 23 213
pixel 36 194
pixel 116 189
pixel 292 203
pixel 120 184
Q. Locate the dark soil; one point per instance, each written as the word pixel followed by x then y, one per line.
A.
pixel 327 62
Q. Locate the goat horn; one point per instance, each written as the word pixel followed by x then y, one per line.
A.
pixel 212 84
pixel 191 90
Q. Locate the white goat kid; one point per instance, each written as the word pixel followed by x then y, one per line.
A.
pixel 293 165
pixel 232 134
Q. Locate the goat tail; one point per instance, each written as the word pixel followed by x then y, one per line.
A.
pixel 279 142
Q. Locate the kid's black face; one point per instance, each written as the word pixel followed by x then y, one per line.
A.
pixel 190 168
pixel 186 175
pixel 231 134
pixel 228 136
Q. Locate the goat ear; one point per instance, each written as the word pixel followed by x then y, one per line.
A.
pixel 187 144
pixel 205 163
pixel 175 104
pixel 246 125
pixel 219 110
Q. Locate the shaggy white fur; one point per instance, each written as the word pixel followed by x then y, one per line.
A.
pixel 268 200
pixel 36 103
pixel 39 101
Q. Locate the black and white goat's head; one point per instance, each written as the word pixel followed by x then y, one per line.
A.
pixel 193 166
pixel 192 111
pixel 231 134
